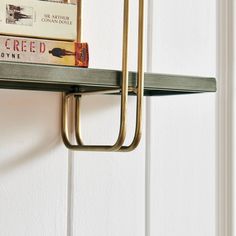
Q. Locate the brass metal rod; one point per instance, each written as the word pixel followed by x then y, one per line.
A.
pixel 124 95
pixel 99 91
pixel 65 133
pixel 140 88
pixel 96 92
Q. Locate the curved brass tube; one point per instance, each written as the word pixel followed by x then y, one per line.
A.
pixel 140 87
pixel 140 91
pixel 124 96
pixel 65 134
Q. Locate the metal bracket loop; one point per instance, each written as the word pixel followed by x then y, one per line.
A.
pixel 124 94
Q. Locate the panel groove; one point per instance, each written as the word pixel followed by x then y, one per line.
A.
pixel 71 177
pixel 148 121
pixel 70 194
pixel 225 122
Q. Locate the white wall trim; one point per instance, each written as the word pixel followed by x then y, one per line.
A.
pixel 70 180
pixel 70 194
pixel 224 218
pixel 149 49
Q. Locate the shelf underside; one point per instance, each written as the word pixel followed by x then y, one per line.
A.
pixel 73 79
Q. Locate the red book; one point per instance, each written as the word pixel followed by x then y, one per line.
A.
pixel 43 51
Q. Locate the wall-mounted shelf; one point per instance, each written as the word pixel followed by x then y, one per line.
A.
pixel 72 79
pixel 75 82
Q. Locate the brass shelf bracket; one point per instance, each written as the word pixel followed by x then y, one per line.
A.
pixel 139 92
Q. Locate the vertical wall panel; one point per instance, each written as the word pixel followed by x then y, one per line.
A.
pixel 225 117
pixel 107 190
pixel 33 165
pixel 231 209
pixel 108 187
pixel 183 166
pixel 182 131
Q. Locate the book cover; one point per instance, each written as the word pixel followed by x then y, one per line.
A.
pixel 42 51
pixel 41 19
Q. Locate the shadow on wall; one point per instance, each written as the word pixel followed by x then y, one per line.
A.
pixel 29 156
pixel 30 127
pixel 31 130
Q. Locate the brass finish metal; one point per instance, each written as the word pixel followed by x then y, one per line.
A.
pixel 124 92
pixel 65 133
pixel 140 92
pixel 140 87
pixel 124 95
pixel 100 91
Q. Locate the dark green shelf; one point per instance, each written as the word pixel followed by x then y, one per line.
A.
pixel 73 79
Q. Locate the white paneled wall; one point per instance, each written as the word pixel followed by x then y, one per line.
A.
pixel 233 11
pixel 182 148
pixel 183 166
pixel 33 165
pixel 47 190
pixel 109 188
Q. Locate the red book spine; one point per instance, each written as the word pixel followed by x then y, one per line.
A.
pixel 82 55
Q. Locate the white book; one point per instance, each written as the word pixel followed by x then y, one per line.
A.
pixel 41 19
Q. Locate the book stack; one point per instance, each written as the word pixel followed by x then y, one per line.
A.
pixel 41 31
